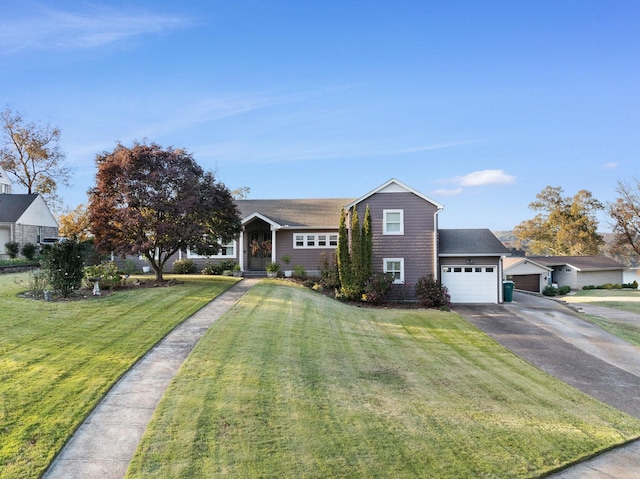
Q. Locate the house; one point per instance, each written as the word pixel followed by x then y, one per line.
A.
pixel 24 218
pixel 406 241
pixel 579 271
pixel 5 182
pixel 527 274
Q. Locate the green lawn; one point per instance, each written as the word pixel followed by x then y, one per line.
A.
pixel 623 299
pixel 58 359
pixel 290 384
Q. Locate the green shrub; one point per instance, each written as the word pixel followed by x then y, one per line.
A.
pixel 299 272
pixel 12 248
pixel 29 251
pixel 63 267
pixel 36 283
pixel 218 267
pixel 128 267
pixel 107 272
pixel 184 266
pixel 273 267
pixel 550 291
pixel 377 287
pixel 632 285
pixel 564 290
pixel 329 276
pixel 432 293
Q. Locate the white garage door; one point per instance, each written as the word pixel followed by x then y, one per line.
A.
pixel 471 284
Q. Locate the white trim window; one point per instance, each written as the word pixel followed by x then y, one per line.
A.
pixel 225 251
pixel 395 266
pixel 393 222
pixel 315 240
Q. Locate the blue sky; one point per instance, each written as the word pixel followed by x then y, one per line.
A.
pixel 477 104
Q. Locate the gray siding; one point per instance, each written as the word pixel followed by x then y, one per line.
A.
pixel 309 258
pixel 416 246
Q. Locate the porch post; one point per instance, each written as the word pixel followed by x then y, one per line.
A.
pixel 240 248
pixel 273 245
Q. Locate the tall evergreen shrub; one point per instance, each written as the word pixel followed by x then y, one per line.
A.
pixel 63 266
pixel 355 257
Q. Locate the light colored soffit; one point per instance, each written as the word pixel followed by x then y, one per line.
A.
pixel 253 216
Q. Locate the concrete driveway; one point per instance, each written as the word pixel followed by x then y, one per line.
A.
pixel 553 337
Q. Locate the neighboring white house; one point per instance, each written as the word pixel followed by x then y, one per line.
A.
pixel 24 218
pixel 5 182
pixel 579 271
pixel 527 274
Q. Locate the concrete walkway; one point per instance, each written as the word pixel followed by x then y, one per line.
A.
pixel 105 443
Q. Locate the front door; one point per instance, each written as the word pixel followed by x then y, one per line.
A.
pixel 259 250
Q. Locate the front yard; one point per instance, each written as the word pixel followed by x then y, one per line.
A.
pixel 290 384
pixel 58 359
pixel 622 299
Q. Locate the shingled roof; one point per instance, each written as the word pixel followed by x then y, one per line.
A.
pixel 461 242
pixel 12 207
pixel 582 263
pixel 301 213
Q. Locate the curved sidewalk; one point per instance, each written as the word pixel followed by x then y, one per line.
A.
pixel 105 443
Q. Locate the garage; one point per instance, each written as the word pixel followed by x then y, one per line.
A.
pixel 527 282
pixel 527 274
pixel 471 284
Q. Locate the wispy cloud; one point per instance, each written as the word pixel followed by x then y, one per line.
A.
pixel 445 192
pixel 485 177
pixel 314 152
pixel 45 28
pixel 610 166
pixel 475 178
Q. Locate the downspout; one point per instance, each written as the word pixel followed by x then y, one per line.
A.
pixel 436 246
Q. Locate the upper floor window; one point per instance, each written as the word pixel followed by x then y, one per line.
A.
pixel 393 222
pixel 315 240
pixel 224 251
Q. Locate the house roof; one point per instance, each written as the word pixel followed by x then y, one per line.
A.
pixel 470 242
pixel 581 263
pixel 512 262
pixel 300 213
pixel 393 186
pixel 12 207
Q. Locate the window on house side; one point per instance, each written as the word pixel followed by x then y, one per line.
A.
pixel 226 251
pixel 393 222
pixel 315 240
pixel 395 266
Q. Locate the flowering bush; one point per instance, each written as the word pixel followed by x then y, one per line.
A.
pixel 184 266
pixel 432 293
pixel 107 272
pixel 377 287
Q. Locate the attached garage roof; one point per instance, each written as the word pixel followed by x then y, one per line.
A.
pixel 470 242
